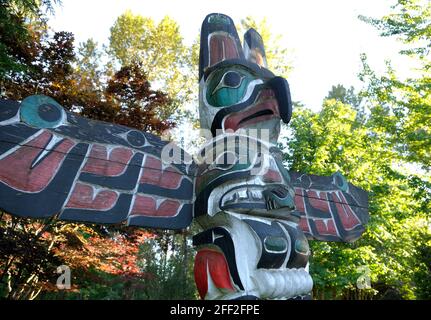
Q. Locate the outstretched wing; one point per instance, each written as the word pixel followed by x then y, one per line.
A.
pixel 331 208
pixel 53 162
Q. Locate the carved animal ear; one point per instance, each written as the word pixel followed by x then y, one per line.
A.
pixel 219 41
pixel 254 49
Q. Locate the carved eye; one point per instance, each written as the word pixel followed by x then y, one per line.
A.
pixel 136 138
pixel 230 79
pixel 340 181
pixel 42 112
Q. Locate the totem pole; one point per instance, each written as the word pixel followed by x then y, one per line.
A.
pixel 255 215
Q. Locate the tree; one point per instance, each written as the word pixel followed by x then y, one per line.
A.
pixel 398 112
pixel 334 140
pixel 402 105
pixel 423 277
pixel 159 49
pixel 126 98
pixel 410 22
pixel 88 71
pixel 26 263
pixel 49 68
pixel 346 96
pixel 138 105
pixel 16 41
pixel 168 260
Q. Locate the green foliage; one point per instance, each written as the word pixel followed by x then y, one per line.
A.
pixel 159 48
pixel 168 261
pixel 16 41
pixel 88 71
pixel 398 113
pixel 401 109
pixel 347 96
pixel 410 21
pixel 423 276
pixel 401 106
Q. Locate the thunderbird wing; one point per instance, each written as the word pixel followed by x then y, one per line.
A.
pixel 54 162
pixel 331 208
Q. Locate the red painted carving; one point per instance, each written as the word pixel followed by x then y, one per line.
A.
pixel 221 48
pixel 300 206
pixel 146 206
pixel 216 264
pixel 114 164
pixel 299 200
pixel 86 197
pixel 271 176
pixel 153 174
pixel 318 200
pixel 303 224
pixel 235 121
pixel 347 216
pixel 16 171
pixel 326 227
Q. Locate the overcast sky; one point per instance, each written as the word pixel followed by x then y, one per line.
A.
pixel 326 37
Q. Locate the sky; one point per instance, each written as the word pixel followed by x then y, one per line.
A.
pixel 325 38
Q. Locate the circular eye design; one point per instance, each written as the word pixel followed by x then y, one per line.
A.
pixel 340 181
pixel 228 86
pixel 136 138
pixel 230 79
pixel 42 112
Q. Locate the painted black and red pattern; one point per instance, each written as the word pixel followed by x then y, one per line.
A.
pixel 331 208
pixel 57 163
pixel 91 171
